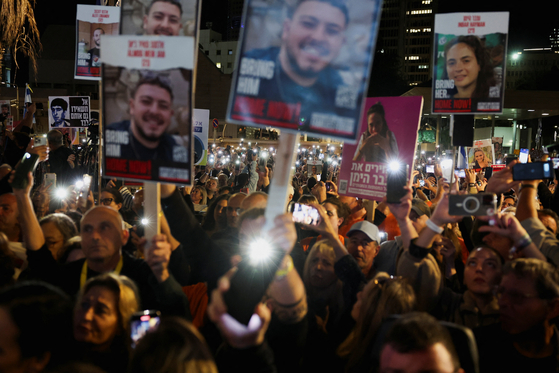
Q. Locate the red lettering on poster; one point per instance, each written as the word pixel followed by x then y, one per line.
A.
pixel 463 104
pixel 463 24
pixel 283 111
pixel 149 53
pixel 471 30
pixel 161 54
pixel 248 105
pixel 144 44
pixel 145 63
pixel 443 104
pixel 83 70
pixel 140 167
pixel 114 164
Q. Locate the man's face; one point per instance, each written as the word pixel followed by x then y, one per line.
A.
pixel 163 19
pixel 151 111
pixel 549 223
pixel 313 37
pixel 8 212
pixel 57 113
pixel 520 307
pixel 508 202
pixel 363 249
pixel 232 206
pixel 435 358
pixel 97 37
pixel 5 110
pixel 102 234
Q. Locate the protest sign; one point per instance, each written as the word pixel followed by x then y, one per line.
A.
pixel 469 62
pixel 91 22
pixel 388 134
pixel 68 111
pixel 311 77
pixel 147 107
pixel 314 169
pixel 201 120
pixel 155 17
pixel 481 155
pixel 498 148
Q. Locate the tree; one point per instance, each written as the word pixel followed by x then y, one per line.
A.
pixel 18 30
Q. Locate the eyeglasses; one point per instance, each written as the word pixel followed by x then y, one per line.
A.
pixel 514 296
pixel 107 201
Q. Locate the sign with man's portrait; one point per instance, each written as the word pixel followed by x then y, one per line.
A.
pixel 69 111
pixel 469 62
pixel 92 22
pixel 159 17
pixel 147 103
pixel 201 123
pixel 304 65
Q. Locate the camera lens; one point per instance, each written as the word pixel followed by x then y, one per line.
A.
pixel 471 205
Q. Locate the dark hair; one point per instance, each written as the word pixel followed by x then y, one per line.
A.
pixel 340 4
pixel 311 182
pixel 5 105
pixel 151 78
pixel 42 314
pixel 99 28
pixel 209 221
pixel 486 76
pixel 59 102
pixel 242 180
pixel 545 275
pixel 378 108
pixel 63 223
pixel 548 212
pixel 342 209
pixel 115 193
pixel 225 188
pixel 176 346
pixel 307 198
pixel 174 2
pixel 417 331
pixel 251 214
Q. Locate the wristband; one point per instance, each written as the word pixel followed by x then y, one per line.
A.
pixel 472 185
pixel 524 243
pixel 434 227
pixel 530 186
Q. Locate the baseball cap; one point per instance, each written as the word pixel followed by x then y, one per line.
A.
pixel 366 227
pixel 420 207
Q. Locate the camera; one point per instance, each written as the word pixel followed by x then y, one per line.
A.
pixel 532 171
pixel 480 204
pixel 141 323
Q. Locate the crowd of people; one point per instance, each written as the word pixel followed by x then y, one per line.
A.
pixel 368 286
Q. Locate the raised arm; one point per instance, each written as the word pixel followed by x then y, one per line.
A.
pixel 31 230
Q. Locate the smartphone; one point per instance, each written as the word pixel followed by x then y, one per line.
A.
pixel 523 155
pixel 430 169
pixel 328 186
pixel 532 171
pixel 39 140
pixel 555 162
pixel 84 192
pixel 422 183
pixel 28 164
pixel 509 159
pixel 50 178
pixel 318 177
pixel 142 323
pixel 396 180
pixel 461 173
pixel 304 214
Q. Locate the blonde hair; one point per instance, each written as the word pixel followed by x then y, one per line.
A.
pixel 387 297
pixel 126 293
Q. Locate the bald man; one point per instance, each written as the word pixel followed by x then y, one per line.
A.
pixel 103 235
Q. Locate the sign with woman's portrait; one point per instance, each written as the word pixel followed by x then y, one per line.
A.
pixel 481 155
pixel 470 58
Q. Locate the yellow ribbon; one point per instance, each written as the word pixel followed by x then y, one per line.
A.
pixel 83 277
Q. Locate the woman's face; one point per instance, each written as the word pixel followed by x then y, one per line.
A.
pixel 96 318
pixel 483 271
pixel 462 66
pixel 220 213
pixel 480 157
pixel 322 271
pixel 53 238
pixel 107 199
pixel 196 196
pixel 375 122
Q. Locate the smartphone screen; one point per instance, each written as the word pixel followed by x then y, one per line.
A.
pixel 430 168
pixel 305 214
pixel 141 323
pixel 532 171
pixel 523 155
